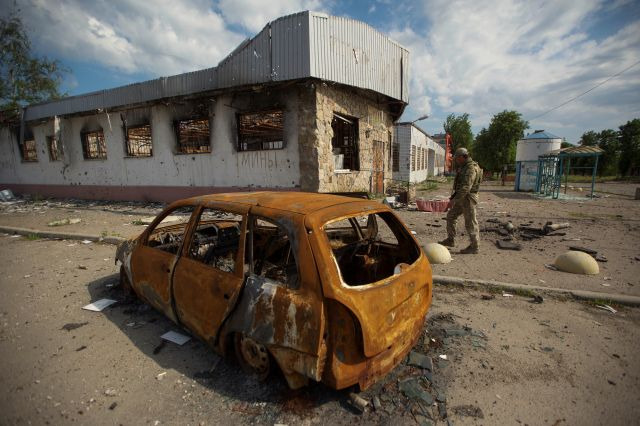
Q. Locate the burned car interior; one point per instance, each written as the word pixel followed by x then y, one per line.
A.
pixel 369 248
pixel 216 239
pixel 273 257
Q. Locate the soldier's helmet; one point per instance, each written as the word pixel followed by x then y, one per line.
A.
pixel 461 152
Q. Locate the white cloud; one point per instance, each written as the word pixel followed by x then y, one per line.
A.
pixel 161 37
pixel 254 14
pixel 483 57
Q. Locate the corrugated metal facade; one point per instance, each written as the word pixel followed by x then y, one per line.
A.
pixel 297 46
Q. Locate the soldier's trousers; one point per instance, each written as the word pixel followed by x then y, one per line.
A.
pixel 467 208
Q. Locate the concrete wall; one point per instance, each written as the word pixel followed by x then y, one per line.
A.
pixel 166 175
pixel 408 136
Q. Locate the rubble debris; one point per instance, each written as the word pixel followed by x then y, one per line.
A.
pixel 73 325
pixel 99 305
pixel 537 299
pixel 7 195
pixel 442 357
pixel 550 227
pixel 550 266
pixel 508 245
pixel 606 308
pixel 420 360
pixel 510 227
pixel 110 392
pixel 601 258
pixel 577 262
pixel 81 348
pixel 62 222
pixel 468 411
pixel 412 389
pixel 358 402
pixel 175 337
pixel 113 406
pixel 160 346
pixel 507 295
pixel 442 410
pixel 376 403
pixel 584 249
pixel 487 297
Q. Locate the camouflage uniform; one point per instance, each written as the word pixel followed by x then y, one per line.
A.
pixel 464 201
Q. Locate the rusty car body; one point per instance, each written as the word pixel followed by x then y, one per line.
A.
pixel 331 288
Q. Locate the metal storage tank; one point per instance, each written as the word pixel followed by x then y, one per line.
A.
pixel 528 150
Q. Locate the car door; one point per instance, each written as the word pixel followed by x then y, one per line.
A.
pixel 154 259
pixel 209 274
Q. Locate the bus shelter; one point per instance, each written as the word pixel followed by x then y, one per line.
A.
pixel 556 165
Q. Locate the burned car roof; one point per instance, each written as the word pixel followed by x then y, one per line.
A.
pixel 295 202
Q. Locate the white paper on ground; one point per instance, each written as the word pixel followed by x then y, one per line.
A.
pixel 99 305
pixel 177 338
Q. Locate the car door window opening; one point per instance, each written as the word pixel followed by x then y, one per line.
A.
pixel 273 256
pixel 216 239
pixel 368 248
pixel 169 233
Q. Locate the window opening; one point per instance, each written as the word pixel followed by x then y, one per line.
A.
pixel 55 150
pixel 396 157
pixel 93 145
pixel 169 233
pixel 261 131
pixel 138 141
pixel 370 248
pixel 28 150
pixel 216 240
pixel 273 255
pixel 193 136
pixel 344 143
pixel 413 158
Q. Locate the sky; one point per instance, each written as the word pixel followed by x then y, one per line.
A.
pixel 476 57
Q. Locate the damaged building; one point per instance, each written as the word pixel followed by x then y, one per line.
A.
pixel 416 156
pixel 308 104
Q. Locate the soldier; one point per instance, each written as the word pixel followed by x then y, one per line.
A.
pixel 463 201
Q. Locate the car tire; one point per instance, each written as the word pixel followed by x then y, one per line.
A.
pixel 253 357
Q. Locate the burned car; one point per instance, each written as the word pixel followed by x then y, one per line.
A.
pixel 325 287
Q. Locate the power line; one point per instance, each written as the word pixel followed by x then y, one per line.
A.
pixel 584 93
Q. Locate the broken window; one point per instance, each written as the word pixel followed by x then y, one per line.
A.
pixel 413 158
pixel 169 233
pixel 370 248
pixel 396 157
pixel 55 150
pixel 261 131
pixel 93 145
pixel 138 141
pixel 272 254
pixel 28 150
pixel 344 143
pixel 216 239
pixel 193 136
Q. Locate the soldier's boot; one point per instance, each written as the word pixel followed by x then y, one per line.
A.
pixel 449 242
pixel 472 248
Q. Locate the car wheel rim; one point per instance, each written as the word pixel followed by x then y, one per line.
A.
pixel 254 356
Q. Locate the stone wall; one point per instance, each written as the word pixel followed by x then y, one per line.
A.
pixel 375 123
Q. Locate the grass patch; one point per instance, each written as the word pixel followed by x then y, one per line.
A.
pixel 32 237
pixel 427 186
pixel 137 222
pixel 524 292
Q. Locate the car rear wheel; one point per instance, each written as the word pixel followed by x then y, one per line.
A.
pixel 253 356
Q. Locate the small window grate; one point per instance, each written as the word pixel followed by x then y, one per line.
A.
pixel 193 136
pixel 94 146
pixel 139 141
pixel 28 150
pixel 261 131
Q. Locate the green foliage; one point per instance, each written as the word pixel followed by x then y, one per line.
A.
pixel 459 128
pixel 608 161
pixel 589 138
pixel 24 78
pixel 565 144
pixel 32 237
pixel 496 146
pixel 629 147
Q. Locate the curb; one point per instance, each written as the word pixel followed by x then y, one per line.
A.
pixel 621 299
pixel 61 235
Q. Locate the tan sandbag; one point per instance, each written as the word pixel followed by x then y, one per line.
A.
pixel 577 262
pixel 437 253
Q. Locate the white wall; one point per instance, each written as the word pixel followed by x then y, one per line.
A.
pixel 224 166
pixel 407 135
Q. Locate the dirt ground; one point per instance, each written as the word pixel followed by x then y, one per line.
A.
pixel 509 361
pixel 609 224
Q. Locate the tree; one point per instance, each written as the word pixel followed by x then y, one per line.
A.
pixel 589 138
pixel 459 128
pixel 629 147
pixel 608 161
pixel 496 146
pixel 24 78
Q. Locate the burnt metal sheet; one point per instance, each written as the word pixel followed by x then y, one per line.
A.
pixel 298 46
